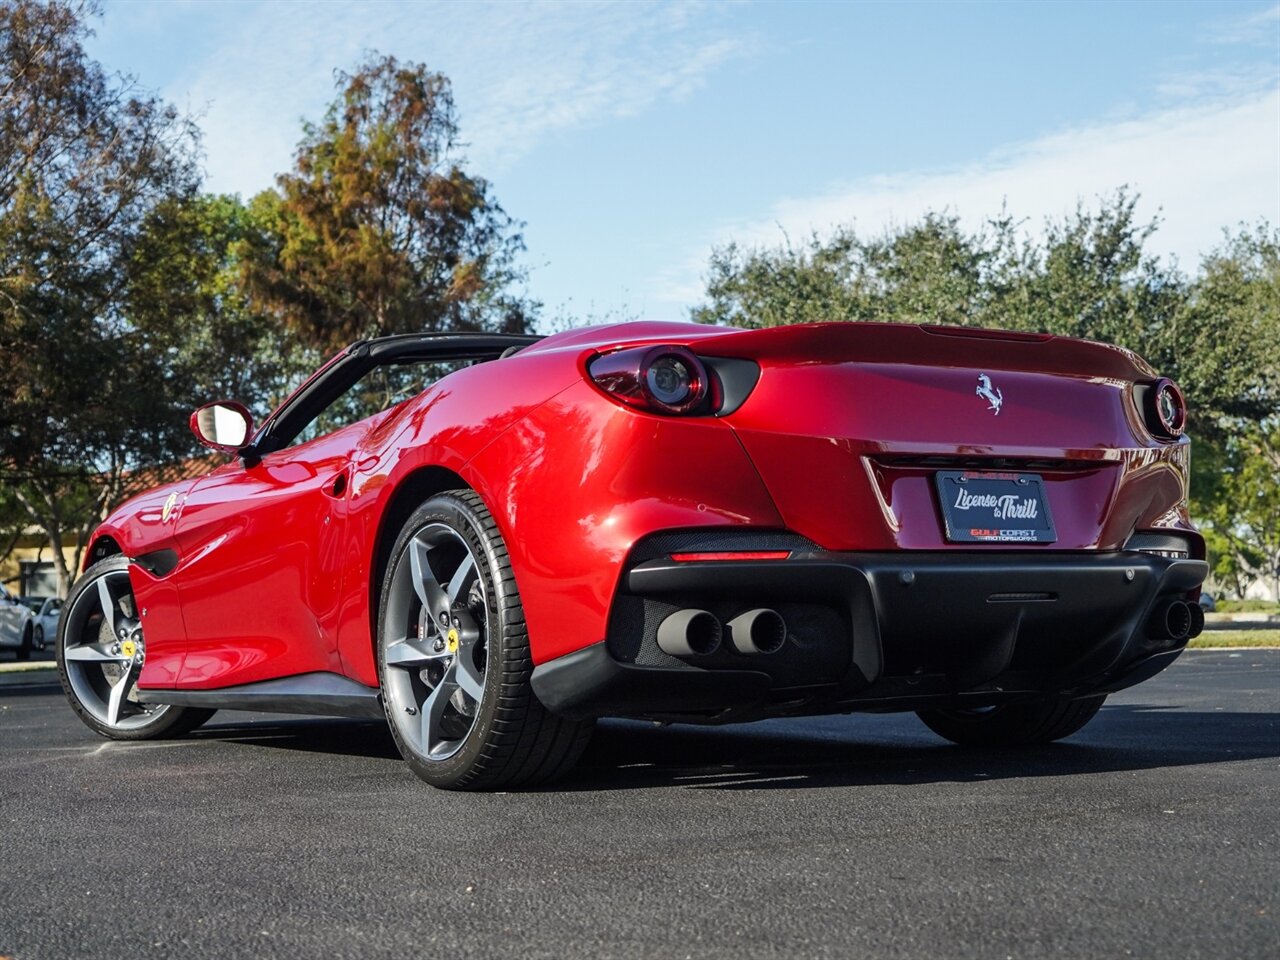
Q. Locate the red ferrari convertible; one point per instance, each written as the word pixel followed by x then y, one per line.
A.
pixel 492 540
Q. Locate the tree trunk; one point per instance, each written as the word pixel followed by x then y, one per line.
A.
pixel 48 517
pixel 59 562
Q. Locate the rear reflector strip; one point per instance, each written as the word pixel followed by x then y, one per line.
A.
pixel 1021 597
pixel 731 555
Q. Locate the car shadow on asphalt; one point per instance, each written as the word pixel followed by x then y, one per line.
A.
pixel 829 751
pixel 39 689
pixel 353 738
pixel 776 755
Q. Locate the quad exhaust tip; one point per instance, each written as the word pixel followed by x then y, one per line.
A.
pixel 689 633
pixel 758 631
pixel 697 633
pixel 1176 620
pixel 1197 619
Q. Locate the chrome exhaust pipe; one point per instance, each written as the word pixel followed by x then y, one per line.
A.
pixel 689 633
pixel 1172 620
pixel 758 631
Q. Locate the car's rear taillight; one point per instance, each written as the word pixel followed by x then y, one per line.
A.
pixel 664 379
pixel 1164 409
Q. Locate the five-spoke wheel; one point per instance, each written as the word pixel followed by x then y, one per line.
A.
pixel 101 652
pixel 435 621
pixel 453 656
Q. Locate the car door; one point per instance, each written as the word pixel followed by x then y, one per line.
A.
pixel 49 619
pixel 260 580
pixel 12 616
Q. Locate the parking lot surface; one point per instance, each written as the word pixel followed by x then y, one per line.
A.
pixel 1155 832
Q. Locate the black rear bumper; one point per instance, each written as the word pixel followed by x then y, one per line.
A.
pixel 879 632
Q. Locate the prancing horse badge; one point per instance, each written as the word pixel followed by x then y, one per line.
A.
pixel 989 393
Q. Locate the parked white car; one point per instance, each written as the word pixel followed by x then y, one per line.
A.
pixel 17 626
pixel 45 625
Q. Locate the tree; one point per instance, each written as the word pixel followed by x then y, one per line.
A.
pixel 84 158
pixel 185 298
pixel 1228 332
pixel 1091 276
pixel 929 272
pixel 379 228
pixel 1225 336
pixel 1243 522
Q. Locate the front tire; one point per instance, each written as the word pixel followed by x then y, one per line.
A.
pixel 24 648
pixel 38 637
pixel 1013 724
pixel 453 657
pixel 100 652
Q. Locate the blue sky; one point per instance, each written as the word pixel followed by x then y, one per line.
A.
pixel 633 137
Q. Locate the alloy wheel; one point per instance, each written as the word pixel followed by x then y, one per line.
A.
pixel 104 652
pixel 435 622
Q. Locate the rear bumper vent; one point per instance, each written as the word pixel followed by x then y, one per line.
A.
pixel 1171 546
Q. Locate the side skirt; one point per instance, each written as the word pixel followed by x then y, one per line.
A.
pixel 319 694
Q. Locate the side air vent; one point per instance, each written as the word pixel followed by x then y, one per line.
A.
pixel 158 563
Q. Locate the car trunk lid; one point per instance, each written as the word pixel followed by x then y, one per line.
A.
pixel 850 424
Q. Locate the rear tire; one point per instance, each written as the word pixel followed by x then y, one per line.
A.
pixel 39 637
pixel 453 657
pixel 24 648
pixel 100 652
pixel 1013 724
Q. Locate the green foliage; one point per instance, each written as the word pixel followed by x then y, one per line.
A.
pixel 1227 336
pixel 184 296
pixel 1248 606
pixel 84 159
pixel 1091 277
pixel 1226 332
pixel 378 228
pixel 1236 638
pixel 1243 519
pixel 931 272
pixel 127 297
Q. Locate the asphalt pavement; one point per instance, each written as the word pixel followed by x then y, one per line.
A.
pixel 1155 832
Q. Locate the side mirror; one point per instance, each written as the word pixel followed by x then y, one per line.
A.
pixel 224 425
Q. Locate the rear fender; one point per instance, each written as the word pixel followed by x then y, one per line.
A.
pixel 576 483
pixel 419 449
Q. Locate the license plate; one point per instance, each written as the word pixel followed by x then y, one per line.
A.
pixel 982 507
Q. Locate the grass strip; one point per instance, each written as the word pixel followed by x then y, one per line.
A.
pixel 1212 639
pixel 24 666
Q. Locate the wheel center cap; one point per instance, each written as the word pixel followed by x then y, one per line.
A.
pixel 452 639
pixel 128 648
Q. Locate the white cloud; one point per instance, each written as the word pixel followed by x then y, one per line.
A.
pixel 1260 28
pixel 1203 168
pixel 520 72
